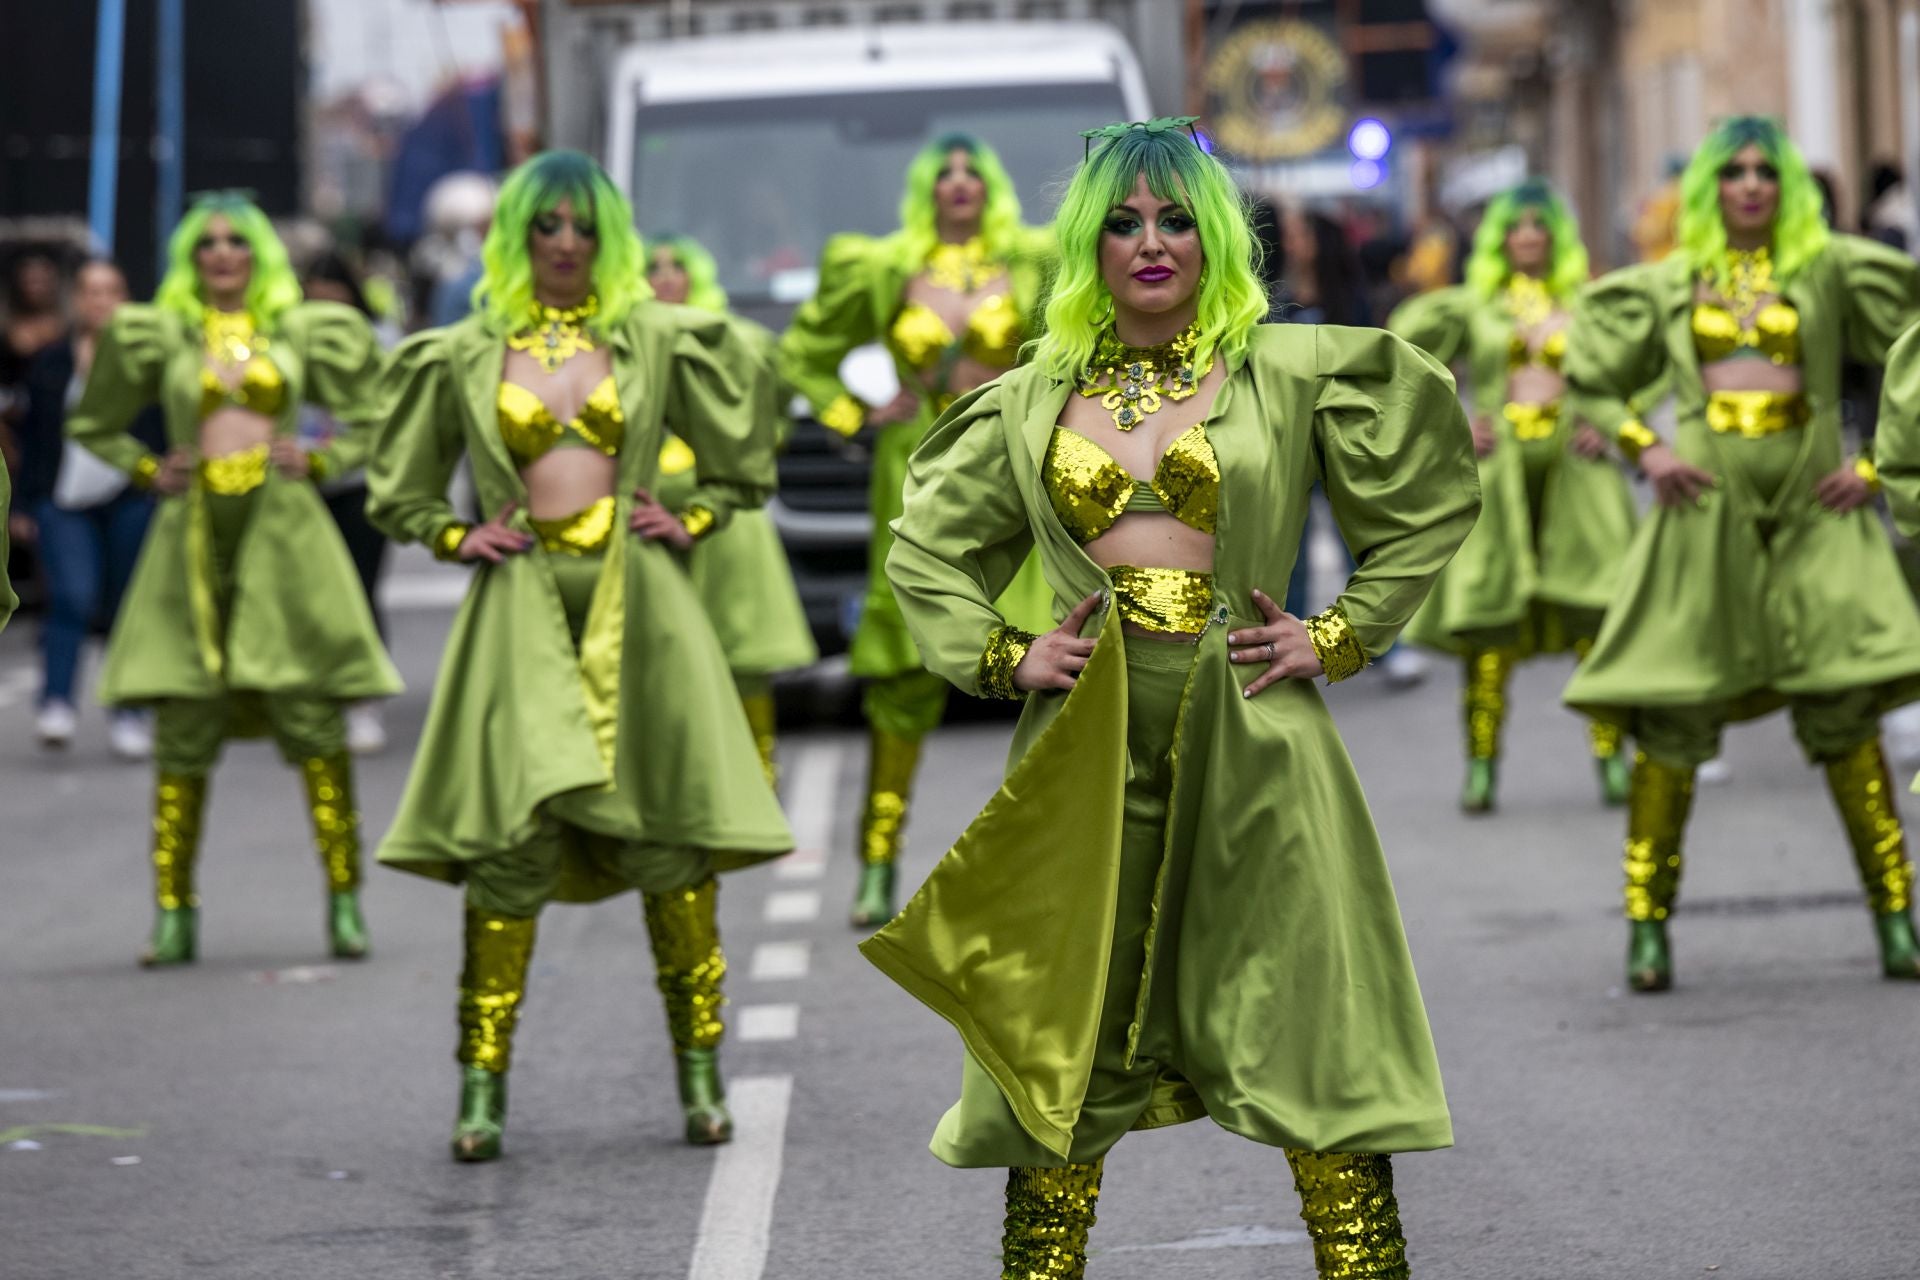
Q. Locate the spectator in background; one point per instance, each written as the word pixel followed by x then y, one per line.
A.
pixel 1888 211
pixel 331 278
pixel 34 321
pixel 86 518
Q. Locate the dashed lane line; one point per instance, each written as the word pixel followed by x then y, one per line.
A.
pixel 780 961
pixel 760 1022
pixel 736 1226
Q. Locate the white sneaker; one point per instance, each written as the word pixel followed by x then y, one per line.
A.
pixel 130 735
pixel 55 724
pixel 1713 772
pixel 1403 668
pixel 366 729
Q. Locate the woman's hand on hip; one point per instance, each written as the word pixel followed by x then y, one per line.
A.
pixel 289 457
pixel 494 541
pixel 1056 659
pixel 652 520
pixel 1283 644
pixel 1843 490
pixel 1676 482
pixel 1588 443
pixel 1483 437
pixel 175 473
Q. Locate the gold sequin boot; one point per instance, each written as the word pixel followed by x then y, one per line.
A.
pixel 336 836
pixel 891 763
pixel 765 723
pixel 1658 801
pixel 1485 701
pixel 1347 1203
pixel 1049 1213
pixel 690 966
pixel 493 983
pixel 1863 793
pixel 179 800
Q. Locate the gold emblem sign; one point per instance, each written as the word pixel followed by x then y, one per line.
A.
pixel 1278 90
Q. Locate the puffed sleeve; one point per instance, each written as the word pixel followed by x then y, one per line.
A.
pixel 417 444
pixel 1882 291
pixel 960 539
pixel 125 378
pixel 838 318
pixel 343 362
pixel 721 400
pixel 1397 462
pixel 1436 322
pixel 1615 352
pixel 8 601
pixel 1896 441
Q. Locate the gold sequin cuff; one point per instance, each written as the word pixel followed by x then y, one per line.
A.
pixel 446 545
pixel 1635 438
pixel 1335 644
pixel 1006 649
pixel 318 468
pixel 697 521
pixel 844 416
pixel 145 472
pixel 1864 468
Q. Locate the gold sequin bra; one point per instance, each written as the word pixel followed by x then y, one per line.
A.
pixel 1090 491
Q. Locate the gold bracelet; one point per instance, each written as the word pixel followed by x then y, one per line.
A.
pixel 844 416
pixel 446 545
pixel 1005 650
pixel 1335 644
pixel 145 471
pixel 1864 468
pixel 696 520
pixel 1635 438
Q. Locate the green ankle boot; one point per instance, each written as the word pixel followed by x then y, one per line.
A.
pixel 346 930
pixel 1649 963
pixel 176 938
pixel 1899 950
pixel 1477 795
pixel 483 1115
pixel 873 901
pixel 703 1097
pixel 1616 779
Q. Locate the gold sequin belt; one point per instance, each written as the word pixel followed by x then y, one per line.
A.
pixel 1753 414
pixel 1176 601
pixel 234 474
pixel 582 533
pixel 1533 421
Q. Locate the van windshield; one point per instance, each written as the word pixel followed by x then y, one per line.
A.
pixel 764 182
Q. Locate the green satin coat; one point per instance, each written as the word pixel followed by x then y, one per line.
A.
pixel 637 733
pixel 8 601
pixel 1708 612
pixel 741 573
pixel 863 280
pixel 299 622
pixel 1278 940
pixel 1506 569
pixel 1896 440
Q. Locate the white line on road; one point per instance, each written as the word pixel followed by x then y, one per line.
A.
pixel 780 961
pixel 813 787
pixel 737 1222
pixel 410 591
pixel 792 906
pixel 769 1022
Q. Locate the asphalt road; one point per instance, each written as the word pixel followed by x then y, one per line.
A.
pixel 268 1114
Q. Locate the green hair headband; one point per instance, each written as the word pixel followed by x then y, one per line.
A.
pixel 1159 124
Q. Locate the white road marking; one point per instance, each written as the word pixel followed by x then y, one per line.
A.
pixel 27 1095
pixel 768 1022
pixel 780 961
pixel 792 906
pixel 737 1222
pixel 1221 1238
pixel 409 591
pixel 813 787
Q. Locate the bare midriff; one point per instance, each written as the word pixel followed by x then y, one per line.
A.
pixel 230 429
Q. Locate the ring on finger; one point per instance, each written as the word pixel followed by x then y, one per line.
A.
pixel 1269 651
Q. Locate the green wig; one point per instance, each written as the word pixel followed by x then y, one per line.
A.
pixel 703 273
pixel 505 291
pixel 1231 298
pixel 999 221
pixel 1567 267
pixel 273 287
pixel 1799 226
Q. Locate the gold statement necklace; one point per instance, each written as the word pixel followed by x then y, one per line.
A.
pixel 1130 381
pixel 230 336
pixel 554 335
pixel 961 267
pixel 1749 278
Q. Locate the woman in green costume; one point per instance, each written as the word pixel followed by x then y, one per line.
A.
pixel 1539 567
pixel 740 572
pixel 1761 578
pixel 243 615
pixel 1176 905
pixel 584 737
pixel 953 294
